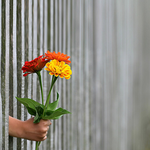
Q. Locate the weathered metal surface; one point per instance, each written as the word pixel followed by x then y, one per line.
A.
pixel 108 93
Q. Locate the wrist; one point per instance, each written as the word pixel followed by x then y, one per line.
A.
pixel 16 127
pixel 26 129
pixel 21 129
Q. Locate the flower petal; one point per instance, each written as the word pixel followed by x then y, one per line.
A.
pixel 59 56
pixel 34 65
pixel 58 69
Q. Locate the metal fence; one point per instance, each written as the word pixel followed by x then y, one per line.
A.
pixel 108 93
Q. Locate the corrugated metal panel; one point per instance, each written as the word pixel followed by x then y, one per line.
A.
pixel 7 44
pixel 108 93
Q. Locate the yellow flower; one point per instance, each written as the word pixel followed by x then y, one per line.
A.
pixel 59 68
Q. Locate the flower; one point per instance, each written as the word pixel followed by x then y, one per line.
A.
pixel 34 66
pixel 59 68
pixel 59 56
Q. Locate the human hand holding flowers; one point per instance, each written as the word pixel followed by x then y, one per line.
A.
pixel 57 67
pixel 36 132
pixel 29 130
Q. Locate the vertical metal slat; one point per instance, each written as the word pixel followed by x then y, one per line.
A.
pixel 23 61
pixel 14 67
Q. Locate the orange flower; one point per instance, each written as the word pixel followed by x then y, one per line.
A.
pixel 59 56
pixel 34 65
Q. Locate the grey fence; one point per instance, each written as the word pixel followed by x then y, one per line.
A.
pixel 109 91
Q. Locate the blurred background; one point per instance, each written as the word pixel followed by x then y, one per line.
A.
pixel 109 91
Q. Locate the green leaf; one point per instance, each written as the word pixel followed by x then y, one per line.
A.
pixel 39 109
pixel 56 114
pixel 39 113
pixel 29 103
pixel 48 112
pixel 33 107
pixel 31 111
pixel 57 117
pixel 36 118
pixel 53 106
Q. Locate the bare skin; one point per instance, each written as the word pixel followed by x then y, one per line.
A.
pixel 29 130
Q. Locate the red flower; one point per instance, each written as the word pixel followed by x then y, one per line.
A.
pixel 34 65
pixel 59 56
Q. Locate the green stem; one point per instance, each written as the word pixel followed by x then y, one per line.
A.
pixel 37 145
pixel 40 80
pixel 49 94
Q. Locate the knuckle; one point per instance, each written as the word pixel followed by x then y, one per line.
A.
pixel 43 130
pixel 43 135
pixel 43 138
pixel 49 122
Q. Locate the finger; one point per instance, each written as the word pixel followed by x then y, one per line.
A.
pixel 47 128
pixel 44 138
pixel 43 131
pixel 49 122
pixel 46 122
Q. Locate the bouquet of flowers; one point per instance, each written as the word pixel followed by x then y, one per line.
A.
pixel 57 64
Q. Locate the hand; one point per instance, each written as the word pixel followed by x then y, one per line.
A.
pixel 36 132
pixel 29 130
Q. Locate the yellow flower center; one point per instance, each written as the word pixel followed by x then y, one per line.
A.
pixel 58 69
